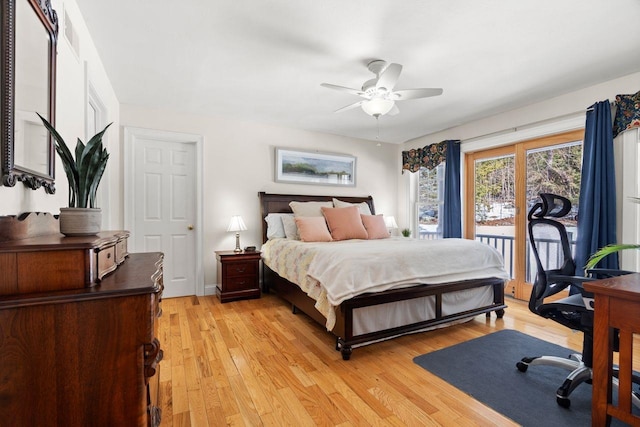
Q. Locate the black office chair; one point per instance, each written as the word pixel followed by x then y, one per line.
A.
pixel 574 311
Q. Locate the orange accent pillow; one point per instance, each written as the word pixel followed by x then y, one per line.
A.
pixel 313 229
pixel 345 223
pixel 375 226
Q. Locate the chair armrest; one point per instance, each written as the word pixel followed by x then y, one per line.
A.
pixel 576 281
pixel 571 279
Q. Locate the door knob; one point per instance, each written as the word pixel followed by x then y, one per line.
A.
pixel 190 226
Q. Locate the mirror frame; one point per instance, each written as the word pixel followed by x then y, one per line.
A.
pixel 12 173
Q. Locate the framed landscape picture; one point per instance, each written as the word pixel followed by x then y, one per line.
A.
pixel 312 167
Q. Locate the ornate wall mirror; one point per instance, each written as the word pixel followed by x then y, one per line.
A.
pixel 28 47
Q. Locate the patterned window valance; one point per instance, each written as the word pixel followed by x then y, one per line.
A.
pixel 627 113
pixel 428 157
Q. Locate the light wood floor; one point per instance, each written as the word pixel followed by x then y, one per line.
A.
pixel 254 363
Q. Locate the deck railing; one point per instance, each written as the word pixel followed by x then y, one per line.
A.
pixel 549 250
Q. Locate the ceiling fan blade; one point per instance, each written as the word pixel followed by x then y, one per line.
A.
pixel 389 77
pixel 343 89
pixel 401 95
pixel 393 110
pixel 350 106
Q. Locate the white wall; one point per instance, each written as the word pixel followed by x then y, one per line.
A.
pixel 627 154
pixel 70 116
pixel 238 163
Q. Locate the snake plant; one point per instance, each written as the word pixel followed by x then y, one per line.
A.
pixel 85 171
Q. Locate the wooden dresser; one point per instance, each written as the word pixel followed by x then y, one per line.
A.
pixel 75 355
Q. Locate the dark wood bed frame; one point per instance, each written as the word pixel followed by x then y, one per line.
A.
pixel 343 330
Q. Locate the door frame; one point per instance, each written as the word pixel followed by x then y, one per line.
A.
pixel 131 135
pixel 521 289
pixel 469 214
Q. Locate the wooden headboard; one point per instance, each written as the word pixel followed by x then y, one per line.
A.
pixel 279 203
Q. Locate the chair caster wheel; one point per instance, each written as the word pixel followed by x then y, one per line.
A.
pixel 522 367
pixel 563 402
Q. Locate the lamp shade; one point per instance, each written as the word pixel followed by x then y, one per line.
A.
pixel 236 224
pixel 377 106
pixel 390 222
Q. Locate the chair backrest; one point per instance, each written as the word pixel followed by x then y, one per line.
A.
pixel 545 232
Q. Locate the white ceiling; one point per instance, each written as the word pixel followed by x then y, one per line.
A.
pixel 264 61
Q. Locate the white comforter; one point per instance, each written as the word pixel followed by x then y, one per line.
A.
pixel 332 272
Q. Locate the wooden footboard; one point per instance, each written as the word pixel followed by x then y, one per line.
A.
pixel 343 330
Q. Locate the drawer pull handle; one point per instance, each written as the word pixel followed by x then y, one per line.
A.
pixel 241 269
pixel 152 356
pixel 109 255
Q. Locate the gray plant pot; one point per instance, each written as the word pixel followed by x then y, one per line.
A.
pixel 80 221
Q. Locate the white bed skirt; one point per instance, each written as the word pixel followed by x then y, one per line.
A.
pixel 394 314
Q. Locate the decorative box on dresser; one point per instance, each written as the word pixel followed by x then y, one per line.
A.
pixel 238 275
pixel 78 327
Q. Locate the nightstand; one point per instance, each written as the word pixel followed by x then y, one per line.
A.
pixel 238 275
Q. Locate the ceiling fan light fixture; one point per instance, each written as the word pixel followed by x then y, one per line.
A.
pixel 379 94
pixel 377 106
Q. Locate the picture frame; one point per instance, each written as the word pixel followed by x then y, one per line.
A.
pixel 314 167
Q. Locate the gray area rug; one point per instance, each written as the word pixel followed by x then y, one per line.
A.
pixel 485 368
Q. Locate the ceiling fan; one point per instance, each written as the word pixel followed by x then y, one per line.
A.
pixel 379 96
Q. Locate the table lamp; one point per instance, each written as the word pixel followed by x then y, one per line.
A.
pixel 237 225
pixel 390 222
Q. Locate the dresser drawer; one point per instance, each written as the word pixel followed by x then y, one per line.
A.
pixel 240 283
pixel 106 261
pixel 233 269
pixel 121 251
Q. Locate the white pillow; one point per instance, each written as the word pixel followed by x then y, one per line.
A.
pixel 290 227
pixel 275 227
pixel 309 208
pixel 362 207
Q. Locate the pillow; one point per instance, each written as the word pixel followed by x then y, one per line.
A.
pixel 308 208
pixel 290 227
pixel 275 227
pixel 313 229
pixel 345 223
pixel 362 207
pixel 375 226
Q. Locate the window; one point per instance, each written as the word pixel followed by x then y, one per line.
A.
pixel 95 118
pixel 429 202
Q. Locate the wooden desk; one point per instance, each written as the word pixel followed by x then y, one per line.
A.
pixel 617 305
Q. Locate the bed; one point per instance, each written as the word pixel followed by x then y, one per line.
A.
pixel 364 317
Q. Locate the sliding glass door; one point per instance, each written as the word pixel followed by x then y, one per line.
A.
pixel 502 184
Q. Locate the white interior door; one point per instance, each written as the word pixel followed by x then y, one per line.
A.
pixel 162 208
